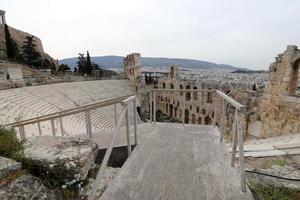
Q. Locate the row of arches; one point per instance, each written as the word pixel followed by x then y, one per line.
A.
pixel 191 96
pixel 176 112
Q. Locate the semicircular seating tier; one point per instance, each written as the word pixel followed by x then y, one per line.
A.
pixel 29 102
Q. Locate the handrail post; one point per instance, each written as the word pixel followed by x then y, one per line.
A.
pixel 22 132
pixel 39 127
pixel 61 127
pixel 215 112
pixel 234 142
pixel 241 152
pixel 115 109
pixel 135 121
pixel 154 107
pixel 222 131
pixel 53 127
pixel 150 107
pixel 127 131
pixel 88 123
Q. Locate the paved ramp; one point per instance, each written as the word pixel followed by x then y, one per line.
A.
pixel 175 162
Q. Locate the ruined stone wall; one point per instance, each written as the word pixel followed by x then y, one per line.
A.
pixel 280 109
pixel 132 67
pixel 191 107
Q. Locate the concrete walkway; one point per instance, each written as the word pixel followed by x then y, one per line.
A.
pixel 176 162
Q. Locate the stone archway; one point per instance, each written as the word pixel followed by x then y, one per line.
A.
pixel 193 119
pixel 188 94
pixel 171 111
pixel 199 121
pixel 294 77
pixel 195 94
pixel 175 112
pixel 186 116
pixel 207 120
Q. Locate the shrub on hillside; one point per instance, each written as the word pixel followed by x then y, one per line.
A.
pixel 10 146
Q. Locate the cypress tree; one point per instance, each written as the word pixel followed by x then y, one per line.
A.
pixel 88 64
pixel 10 49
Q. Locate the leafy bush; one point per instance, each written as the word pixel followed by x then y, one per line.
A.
pixel 273 192
pixel 10 146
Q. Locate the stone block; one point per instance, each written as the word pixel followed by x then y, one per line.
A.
pixel 60 158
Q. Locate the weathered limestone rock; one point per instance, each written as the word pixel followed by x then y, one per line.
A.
pixel 280 109
pixel 276 170
pixel 60 158
pixel 26 187
pixel 109 175
pixel 7 166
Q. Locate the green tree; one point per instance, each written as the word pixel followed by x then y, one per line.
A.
pixel 63 68
pixel 11 46
pixel 31 56
pixel 81 63
pixel 88 65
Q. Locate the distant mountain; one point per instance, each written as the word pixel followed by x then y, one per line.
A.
pixel 117 62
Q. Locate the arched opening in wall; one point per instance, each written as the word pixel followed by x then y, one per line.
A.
pixel 295 79
pixel 171 87
pixel 199 121
pixel 181 87
pixel 175 112
pixel 193 119
pixel 209 97
pixel 195 95
pixel 188 94
pixel 180 113
pixel 167 108
pixel 171 111
pixel 164 86
pixel 186 116
pixel 207 120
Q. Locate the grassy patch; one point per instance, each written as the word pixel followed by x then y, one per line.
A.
pixel 10 146
pixel 272 192
pixel 269 163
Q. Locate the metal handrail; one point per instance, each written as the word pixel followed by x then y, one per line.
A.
pixel 59 115
pixel 101 171
pixel 237 135
pixel 69 111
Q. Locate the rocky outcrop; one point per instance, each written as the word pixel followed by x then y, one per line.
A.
pixel 285 171
pixel 59 158
pixel 19 37
pixel 27 187
pixel 8 166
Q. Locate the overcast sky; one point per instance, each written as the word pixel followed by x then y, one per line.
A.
pixel 244 33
